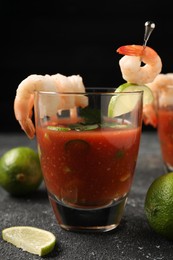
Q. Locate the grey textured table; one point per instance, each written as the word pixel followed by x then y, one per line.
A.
pixel 132 240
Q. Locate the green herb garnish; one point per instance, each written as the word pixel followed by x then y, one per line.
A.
pixel 91 116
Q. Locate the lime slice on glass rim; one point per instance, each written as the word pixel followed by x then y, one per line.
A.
pixel 121 104
pixel 33 240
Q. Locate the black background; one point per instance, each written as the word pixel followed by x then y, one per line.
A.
pixel 75 37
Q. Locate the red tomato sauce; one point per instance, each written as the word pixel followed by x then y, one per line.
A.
pixel 165 133
pixel 88 168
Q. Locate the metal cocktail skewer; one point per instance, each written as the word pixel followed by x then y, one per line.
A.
pixel 149 27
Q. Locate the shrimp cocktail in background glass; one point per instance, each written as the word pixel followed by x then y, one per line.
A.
pixel 88 146
pixel 165 125
pixel 159 114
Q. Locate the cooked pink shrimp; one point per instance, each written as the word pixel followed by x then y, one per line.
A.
pixel 160 82
pixel 24 100
pixel 150 111
pixel 69 84
pixel 130 64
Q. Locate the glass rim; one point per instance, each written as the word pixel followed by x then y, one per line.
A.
pixel 89 91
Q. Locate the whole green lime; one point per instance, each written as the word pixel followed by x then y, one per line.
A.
pixel 20 171
pixel 159 205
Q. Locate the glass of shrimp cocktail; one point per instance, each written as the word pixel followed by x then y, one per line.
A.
pixel 88 139
pixel 88 144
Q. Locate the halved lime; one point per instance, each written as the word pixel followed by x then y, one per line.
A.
pixel 121 104
pixel 33 240
pixel 58 128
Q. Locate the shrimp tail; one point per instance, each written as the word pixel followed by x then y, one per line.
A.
pixel 150 115
pixel 28 127
pixel 131 50
pixel 23 113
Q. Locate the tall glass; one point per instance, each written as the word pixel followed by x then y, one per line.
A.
pixel 165 125
pixel 88 158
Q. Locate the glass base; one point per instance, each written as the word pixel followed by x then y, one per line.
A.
pixel 100 219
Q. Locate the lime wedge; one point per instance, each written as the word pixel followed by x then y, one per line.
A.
pixel 121 104
pixel 33 240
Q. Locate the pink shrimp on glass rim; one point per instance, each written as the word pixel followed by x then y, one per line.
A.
pixel 24 99
pixel 140 65
pixel 161 82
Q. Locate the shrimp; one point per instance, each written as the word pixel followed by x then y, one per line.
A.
pixel 69 84
pixel 130 64
pixel 24 99
pixel 159 83
pixel 133 72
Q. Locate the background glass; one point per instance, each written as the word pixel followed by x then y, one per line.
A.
pixel 88 159
pixel 165 125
